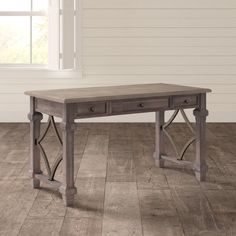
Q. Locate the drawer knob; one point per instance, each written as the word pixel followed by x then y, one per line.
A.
pixel 92 109
pixel 141 105
pixel 185 101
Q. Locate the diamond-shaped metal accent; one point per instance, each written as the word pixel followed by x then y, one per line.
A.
pixel 180 154
pixel 50 170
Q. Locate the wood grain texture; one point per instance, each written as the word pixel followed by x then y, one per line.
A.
pixel 68 189
pixel 93 163
pixel 114 92
pixel 81 227
pixel 35 120
pixel 195 212
pixel 159 216
pixel 133 197
pixel 121 210
pixel 159 144
pixel 201 113
pixel 89 200
pixel 15 203
pixel 120 167
pixel 224 208
pixel 41 226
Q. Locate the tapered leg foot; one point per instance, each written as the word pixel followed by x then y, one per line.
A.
pixel 158 161
pixel 200 177
pixel 200 173
pixel 68 196
pixel 35 183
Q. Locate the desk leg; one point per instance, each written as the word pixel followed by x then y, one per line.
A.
pixel 35 120
pixel 68 190
pixel 159 143
pixel 200 166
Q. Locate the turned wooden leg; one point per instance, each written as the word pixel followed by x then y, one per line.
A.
pixel 200 166
pixel 68 189
pixel 35 119
pixel 159 145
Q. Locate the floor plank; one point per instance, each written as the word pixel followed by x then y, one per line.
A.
pixel 159 216
pixel 223 204
pixel 81 227
pixel 89 199
pixel 120 190
pixel 121 210
pixel 120 167
pixel 41 226
pixel 16 199
pixel 195 212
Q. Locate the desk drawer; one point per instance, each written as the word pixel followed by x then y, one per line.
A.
pixel 139 105
pixel 91 109
pixel 185 101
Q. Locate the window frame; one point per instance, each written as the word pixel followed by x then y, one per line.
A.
pixel 30 13
pixel 54 68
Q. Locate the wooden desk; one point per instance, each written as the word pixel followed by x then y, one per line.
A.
pixel 76 103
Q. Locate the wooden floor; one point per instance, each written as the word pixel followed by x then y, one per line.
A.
pixel 120 191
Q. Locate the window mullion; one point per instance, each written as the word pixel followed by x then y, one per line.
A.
pixel 54 34
pixel 28 16
pixel 23 13
pixel 31 29
pixel 67 34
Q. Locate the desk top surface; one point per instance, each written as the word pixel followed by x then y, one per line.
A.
pixel 88 94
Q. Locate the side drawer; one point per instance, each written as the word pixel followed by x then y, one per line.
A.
pixel 184 101
pixel 139 105
pixel 89 109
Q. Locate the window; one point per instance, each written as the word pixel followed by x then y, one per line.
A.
pixel 39 33
pixel 23 32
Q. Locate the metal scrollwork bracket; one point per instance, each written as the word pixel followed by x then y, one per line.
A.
pixel 50 170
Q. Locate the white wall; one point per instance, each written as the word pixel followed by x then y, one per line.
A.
pixel 140 41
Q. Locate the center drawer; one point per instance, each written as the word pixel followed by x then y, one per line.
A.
pixel 89 109
pixel 139 105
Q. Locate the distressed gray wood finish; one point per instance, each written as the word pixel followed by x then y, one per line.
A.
pixel 68 189
pixel 48 107
pixel 138 105
pixel 185 101
pixel 35 119
pixel 81 227
pixel 170 201
pixel 75 95
pixel 160 148
pixel 70 104
pixel 121 210
pixel 201 113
